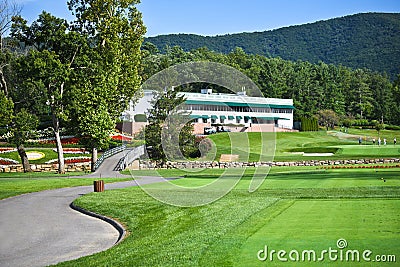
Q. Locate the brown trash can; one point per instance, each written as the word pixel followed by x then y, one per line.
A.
pixel 98 186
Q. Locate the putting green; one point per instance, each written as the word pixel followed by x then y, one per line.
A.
pixel 370 150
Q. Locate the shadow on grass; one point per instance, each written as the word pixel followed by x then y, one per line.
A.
pixel 384 192
pixel 310 175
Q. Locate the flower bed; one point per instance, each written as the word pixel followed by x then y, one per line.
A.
pixel 71 160
pixel 5 161
pixel 360 166
pixel 77 160
pixel 7 149
pixel 73 151
pixel 120 137
pixel 65 140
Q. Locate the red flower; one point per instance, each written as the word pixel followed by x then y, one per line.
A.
pixel 121 138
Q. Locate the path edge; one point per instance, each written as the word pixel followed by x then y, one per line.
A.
pixel 121 230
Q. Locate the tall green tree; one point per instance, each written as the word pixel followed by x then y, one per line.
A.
pixel 381 89
pixel 27 95
pixel 360 95
pixel 327 118
pixel 169 133
pixel 6 111
pixel 108 73
pixel 396 100
pixel 52 59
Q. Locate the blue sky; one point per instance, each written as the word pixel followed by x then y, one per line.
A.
pixel 217 17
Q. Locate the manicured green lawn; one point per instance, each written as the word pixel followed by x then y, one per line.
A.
pixel 288 145
pixel 372 133
pixel 317 225
pixel 12 184
pixel 295 208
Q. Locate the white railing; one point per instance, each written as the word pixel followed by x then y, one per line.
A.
pixel 132 155
pixel 108 154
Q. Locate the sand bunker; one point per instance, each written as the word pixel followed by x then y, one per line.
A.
pixel 34 155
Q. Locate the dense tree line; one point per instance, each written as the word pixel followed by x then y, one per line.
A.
pixel 370 40
pixel 352 94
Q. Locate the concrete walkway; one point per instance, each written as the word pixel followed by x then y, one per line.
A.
pixel 39 229
pixel 107 168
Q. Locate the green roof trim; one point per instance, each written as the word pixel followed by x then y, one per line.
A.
pixel 198 102
pixel 267 118
pixel 235 104
pixel 271 118
pixel 238 117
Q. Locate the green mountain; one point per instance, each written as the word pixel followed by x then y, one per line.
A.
pixel 367 40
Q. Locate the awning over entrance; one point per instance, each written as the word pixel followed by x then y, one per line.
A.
pixel 222 117
pixel 231 117
pixel 214 117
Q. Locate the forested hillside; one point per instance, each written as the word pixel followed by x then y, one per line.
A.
pixel 369 40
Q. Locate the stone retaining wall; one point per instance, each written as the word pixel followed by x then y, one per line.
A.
pixel 73 167
pixel 145 165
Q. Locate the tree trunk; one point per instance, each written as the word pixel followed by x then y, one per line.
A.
pixel 60 152
pixel 3 82
pixel 24 158
pixel 94 157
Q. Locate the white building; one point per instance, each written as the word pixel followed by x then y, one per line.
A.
pixel 237 112
pixel 141 107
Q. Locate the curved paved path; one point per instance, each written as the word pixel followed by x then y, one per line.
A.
pixel 40 229
pixel 107 168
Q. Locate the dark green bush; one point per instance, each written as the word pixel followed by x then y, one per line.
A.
pixel 309 125
pixel 140 118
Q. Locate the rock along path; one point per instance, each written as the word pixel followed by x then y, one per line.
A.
pixel 41 228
